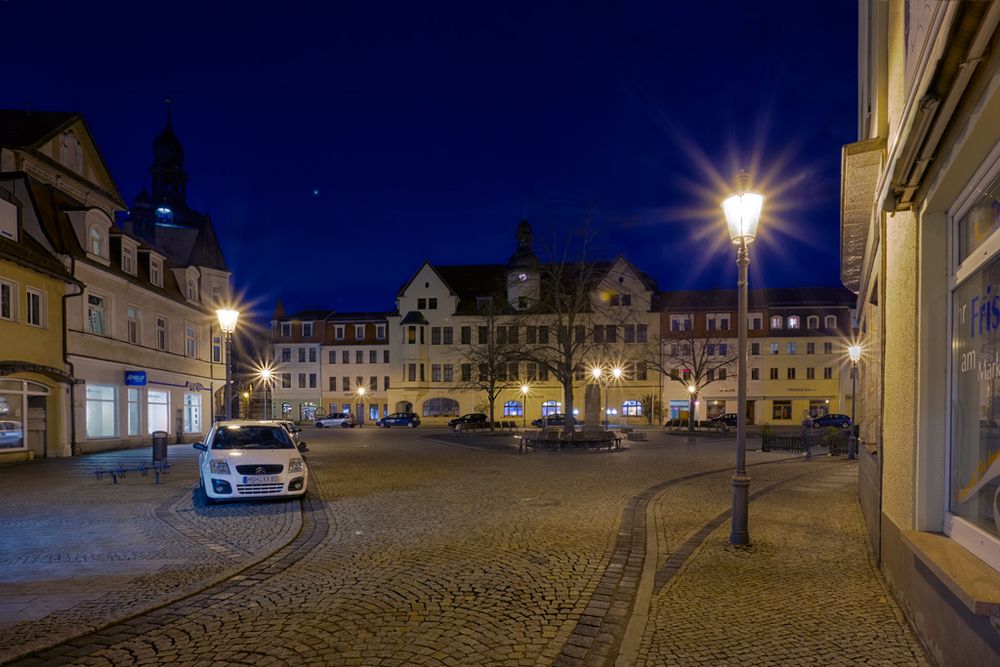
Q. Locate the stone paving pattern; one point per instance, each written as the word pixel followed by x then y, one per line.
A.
pixel 416 552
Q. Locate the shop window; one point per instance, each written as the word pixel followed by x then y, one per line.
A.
pixel 781 410
pixel 550 408
pixel 512 409
pixel 192 413
pixel 158 410
pixel 307 411
pixel 134 414
pixel 631 408
pixel 102 411
pixel 440 407
pixel 819 408
pixel 286 409
pixel 715 409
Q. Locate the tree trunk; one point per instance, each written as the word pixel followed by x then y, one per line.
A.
pixel 570 423
pixel 493 400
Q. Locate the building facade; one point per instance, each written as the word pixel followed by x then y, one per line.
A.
pixel 797 347
pixel 921 250
pixel 35 379
pixel 140 338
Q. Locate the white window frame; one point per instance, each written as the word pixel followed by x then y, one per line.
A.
pixel 156 271
pixel 114 409
pixel 192 417
pixel 97 241
pixel 105 310
pixel 164 344
pixel 977 541
pixel 286 329
pixel 12 294
pixel 812 322
pixel 307 329
pixel 133 325
pixel 359 332
pixel 794 322
pixel 773 319
pixel 39 311
pixel 338 331
pixel 828 319
pixel 149 411
pixel 133 421
pixel 190 340
pixel 380 331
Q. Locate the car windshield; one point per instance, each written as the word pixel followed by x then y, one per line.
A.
pixel 252 437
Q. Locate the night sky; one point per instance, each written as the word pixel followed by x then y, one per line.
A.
pixel 338 145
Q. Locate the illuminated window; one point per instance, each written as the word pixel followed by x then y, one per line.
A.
pixel 777 322
pixel 793 321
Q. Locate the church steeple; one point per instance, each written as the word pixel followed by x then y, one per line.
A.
pixel 169 179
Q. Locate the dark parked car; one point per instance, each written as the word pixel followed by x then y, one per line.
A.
pixel 835 420
pixel 471 418
pixel 407 419
pixel 556 419
pixel 725 421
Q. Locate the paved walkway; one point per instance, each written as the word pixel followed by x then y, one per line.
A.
pixel 413 548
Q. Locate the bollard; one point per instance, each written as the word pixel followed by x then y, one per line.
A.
pixel 159 446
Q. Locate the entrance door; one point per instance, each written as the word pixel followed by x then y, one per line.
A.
pixel 37 441
pixel 750 405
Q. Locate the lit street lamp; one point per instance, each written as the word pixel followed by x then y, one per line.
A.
pixel 524 405
pixel 266 375
pixel 360 391
pixel 597 373
pixel 742 215
pixel 227 322
pixel 692 390
pixel 852 443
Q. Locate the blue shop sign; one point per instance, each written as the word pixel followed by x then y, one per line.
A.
pixel 135 378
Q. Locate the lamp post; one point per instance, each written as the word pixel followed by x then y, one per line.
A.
pixel 524 405
pixel 227 322
pixel 597 373
pixel 852 443
pixel 616 375
pixel 692 390
pixel 265 374
pixel 361 403
pixel 742 215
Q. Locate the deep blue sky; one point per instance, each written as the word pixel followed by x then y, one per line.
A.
pixel 429 129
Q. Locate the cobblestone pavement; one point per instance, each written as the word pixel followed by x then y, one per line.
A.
pixel 423 552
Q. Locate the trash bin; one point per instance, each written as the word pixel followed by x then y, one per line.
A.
pixel 159 446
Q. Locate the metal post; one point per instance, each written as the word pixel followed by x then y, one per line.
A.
pixel 229 388
pixel 605 404
pixel 852 442
pixel 740 533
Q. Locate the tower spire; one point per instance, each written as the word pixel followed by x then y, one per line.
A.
pixel 168 100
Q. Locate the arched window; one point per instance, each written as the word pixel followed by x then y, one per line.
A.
pixel 512 409
pixel 97 241
pixel 440 407
pixel 631 408
pixel 812 322
pixel 550 408
pixel 776 322
pixel 793 322
pixel 286 410
pixel 830 322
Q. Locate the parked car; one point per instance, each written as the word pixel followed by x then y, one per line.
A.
pixel 833 419
pixel 407 419
pixel 471 418
pixel 10 433
pixel 251 459
pixel 727 420
pixel 341 419
pixel 555 419
pixel 290 426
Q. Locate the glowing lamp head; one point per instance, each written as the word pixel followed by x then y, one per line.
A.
pixel 616 373
pixel 361 391
pixel 596 372
pixel 692 389
pixel 525 389
pixel 246 394
pixel 227 320
pixel 743 213
pixel 855 353
pixel 266 374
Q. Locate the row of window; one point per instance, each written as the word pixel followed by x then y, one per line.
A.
pixel 755 322
pixel 510 335
pixel 308 381
pixel 790 374
pixel 103 409
pixel 97 323
pixel 309 355
pixel 504 372
pixel 35 304
pixel 339 330
pixel 791 348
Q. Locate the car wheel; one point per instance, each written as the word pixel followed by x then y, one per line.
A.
pixel 208 499
pixel 319 424
pixel 845 426
pixel 344 424
pixel 410 425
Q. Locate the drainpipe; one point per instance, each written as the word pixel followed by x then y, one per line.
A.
pixel 72 368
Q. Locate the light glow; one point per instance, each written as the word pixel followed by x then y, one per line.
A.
pixel 227 319
pixel 855 353
pixel 742 215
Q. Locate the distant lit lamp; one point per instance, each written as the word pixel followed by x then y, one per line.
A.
pixel 524 405
pixel 361 391
pixel 852 443
pixel 692 390
pixel 227 322
pixel 598 374
pixel 742 215
pixel 266 375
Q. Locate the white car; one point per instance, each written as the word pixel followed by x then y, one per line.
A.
pixel 341 419
pixel 251 459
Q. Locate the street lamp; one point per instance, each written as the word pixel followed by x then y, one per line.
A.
pixel 524 405
pixel 266 374
pixel 227 322
pixel 852 443
pixel 616 375
pixel 598 374
pixel 742 215
pixel 692 390
pixel 360 391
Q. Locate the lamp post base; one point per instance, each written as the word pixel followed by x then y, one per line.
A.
pixel 740 533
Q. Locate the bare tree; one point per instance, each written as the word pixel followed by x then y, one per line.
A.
pixel 490 364
pixel 694 359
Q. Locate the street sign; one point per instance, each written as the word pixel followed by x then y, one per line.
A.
pixel 135 378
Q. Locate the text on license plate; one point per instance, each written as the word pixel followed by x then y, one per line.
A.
pixel 260 479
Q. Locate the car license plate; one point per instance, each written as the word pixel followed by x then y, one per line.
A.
pixel 260 479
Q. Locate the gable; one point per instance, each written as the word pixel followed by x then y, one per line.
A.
pixel 73 148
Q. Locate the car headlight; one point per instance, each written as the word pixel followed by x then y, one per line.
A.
pixel 295 465
pixel 218 466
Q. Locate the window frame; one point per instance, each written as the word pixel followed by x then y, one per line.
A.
pixel 13 291
pixel 41 308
